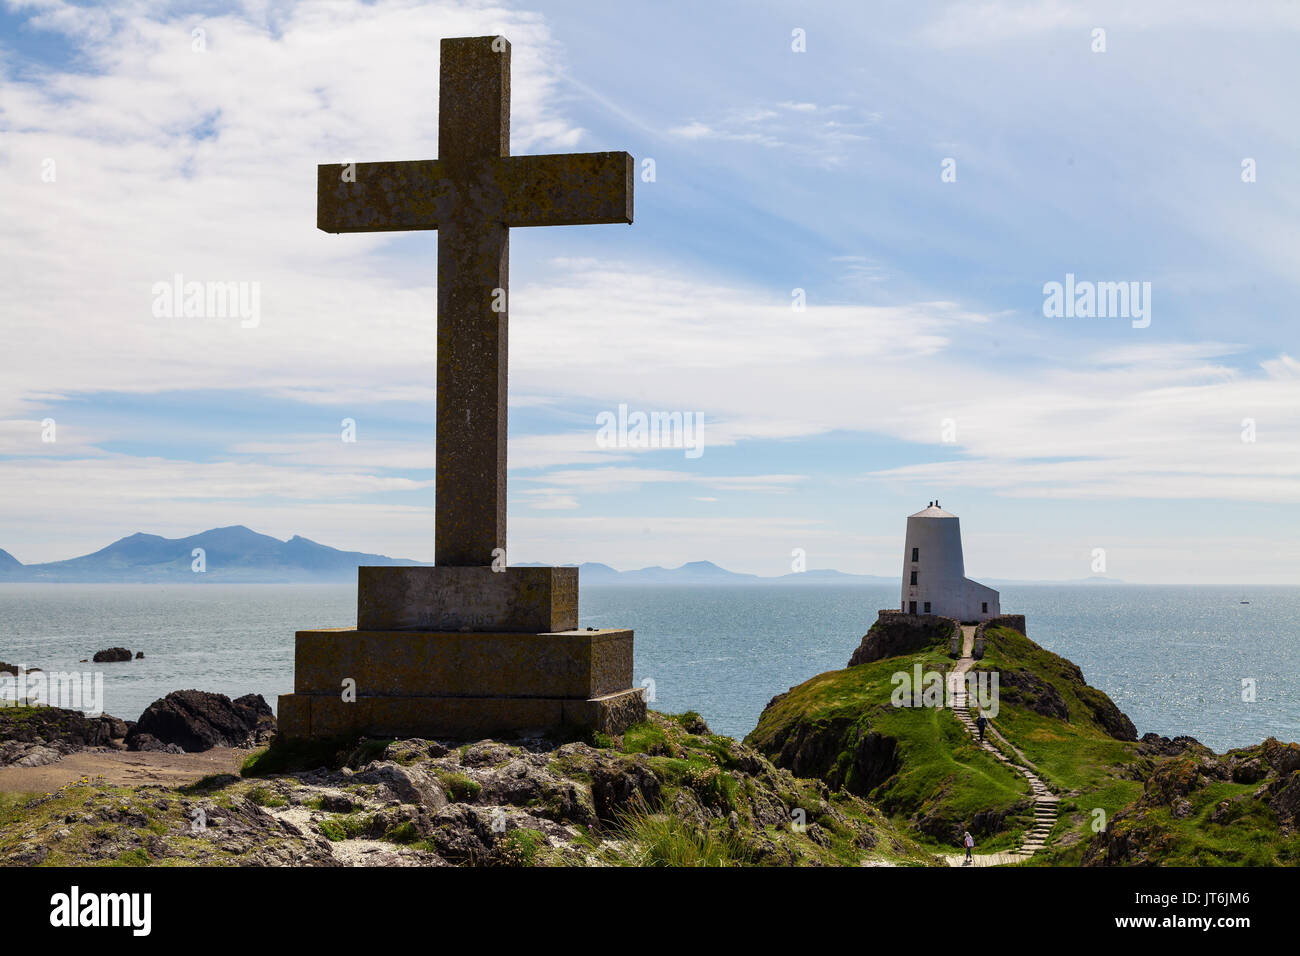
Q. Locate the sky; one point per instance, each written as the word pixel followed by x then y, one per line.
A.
pixel 840 266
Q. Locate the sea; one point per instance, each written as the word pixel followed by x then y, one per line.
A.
pixel 1177 660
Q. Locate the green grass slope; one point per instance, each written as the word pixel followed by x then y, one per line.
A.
pixel 916 763
pixel 1123 801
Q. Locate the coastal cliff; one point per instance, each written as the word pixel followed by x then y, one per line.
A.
pixel 1122 801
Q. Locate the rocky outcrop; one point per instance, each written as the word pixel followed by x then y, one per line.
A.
pixel 1026 689
pixel 1156 746
pixel 194 720
pixel 36 736
pixel 1169 819
pixel 842 751
pixel 895 634
pixel 112 655
pixel 619 788
pixel 1283 758
pixel 697 799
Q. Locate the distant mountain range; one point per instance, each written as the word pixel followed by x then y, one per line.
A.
pixel 229 554
pixel 238 554
pixel 706 572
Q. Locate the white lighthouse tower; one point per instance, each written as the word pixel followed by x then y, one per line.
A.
pixel 934 574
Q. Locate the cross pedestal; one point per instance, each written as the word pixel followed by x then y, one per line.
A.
pixel 462 652
pixel 468 647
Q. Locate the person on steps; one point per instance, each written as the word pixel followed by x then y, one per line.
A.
pixel 981 722
pixel 969 841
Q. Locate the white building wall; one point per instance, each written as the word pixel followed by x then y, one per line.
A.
pixel 934 536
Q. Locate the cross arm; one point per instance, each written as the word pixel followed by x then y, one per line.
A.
pixel 381 197
pixel 562 189
pixel 567 189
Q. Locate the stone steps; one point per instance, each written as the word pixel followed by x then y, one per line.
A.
pixel 1045 802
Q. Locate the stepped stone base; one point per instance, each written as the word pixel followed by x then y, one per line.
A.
pixel 460 684
pixel 458 718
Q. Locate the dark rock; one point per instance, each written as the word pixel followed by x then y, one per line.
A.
pixel 337 803
pixel 407 784
pixel 1283 758
pixel 485 754
pixel 112 655
pixel 1154 745
pixel 1220 813
pixel 842 751
pixel 818 835
pixel 462 834
pixel 1286 803
pixel 687 808
pixel 148 743
pixel 894 634
pixel 1249 771
pixel 693 723
pixel 43 731
pixel 1026 689
pixel 620 787
pixel 139 655
pixel 197 720
pixel 1171 780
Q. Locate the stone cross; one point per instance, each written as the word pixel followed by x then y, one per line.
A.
pixel 472 194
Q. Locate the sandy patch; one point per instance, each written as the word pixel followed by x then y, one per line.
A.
pixel 122 768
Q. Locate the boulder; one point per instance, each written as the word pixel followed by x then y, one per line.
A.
pixel 463 834
pixel 623 787
pixel 407 784
pixel 196 720
pixel 148 743
pixel 111 655
pixel 114 728
pixel 1283 758
pixel 139 655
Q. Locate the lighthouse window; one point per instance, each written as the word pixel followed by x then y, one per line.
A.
pixel 927 607
pixel 916 554
pixel 913 577
pixel 986 607
pixel 911 607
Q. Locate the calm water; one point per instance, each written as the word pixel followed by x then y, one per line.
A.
pixel 1173 658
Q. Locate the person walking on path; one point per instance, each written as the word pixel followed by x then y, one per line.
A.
pixel 969 841
pixel 981 722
